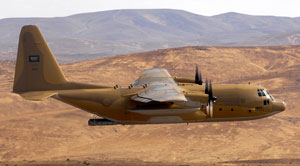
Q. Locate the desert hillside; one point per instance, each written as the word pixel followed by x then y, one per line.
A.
pixel 39 132
pixel 88 36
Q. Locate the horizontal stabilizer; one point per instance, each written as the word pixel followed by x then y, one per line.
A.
pixel 37 95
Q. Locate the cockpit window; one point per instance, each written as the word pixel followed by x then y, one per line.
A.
pixel 266 102
pixel 265 92
pixel 260 92
pixel 272 98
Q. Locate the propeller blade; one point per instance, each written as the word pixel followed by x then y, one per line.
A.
pixel 211 109
pixel 198 78
pixel 196 75
pixel 211 98
pixel 210 93
pixel 206 86
pixel 207 109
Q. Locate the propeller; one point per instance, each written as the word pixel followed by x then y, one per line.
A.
pixel 211 98
pixel 208 90
pixel 198 77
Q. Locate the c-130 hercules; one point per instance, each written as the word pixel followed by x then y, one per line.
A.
pixel 154 98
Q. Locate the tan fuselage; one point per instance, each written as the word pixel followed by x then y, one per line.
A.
pixel 235 102
pixel 155 97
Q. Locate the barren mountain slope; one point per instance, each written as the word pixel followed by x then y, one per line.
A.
pixel 50 130
pixel 90 36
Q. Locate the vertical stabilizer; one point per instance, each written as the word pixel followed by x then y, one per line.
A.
pixel 36 67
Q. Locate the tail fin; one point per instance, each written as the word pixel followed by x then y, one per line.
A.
pixel 36 67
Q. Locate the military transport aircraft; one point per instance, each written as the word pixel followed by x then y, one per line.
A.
pixel 155 97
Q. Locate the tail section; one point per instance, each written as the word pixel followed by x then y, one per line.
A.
pixel 36 67
pixel 37 74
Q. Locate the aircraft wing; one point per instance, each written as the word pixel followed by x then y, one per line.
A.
pixel 161 87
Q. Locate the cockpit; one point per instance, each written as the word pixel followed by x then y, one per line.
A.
pixel 265 94
pixel 269 100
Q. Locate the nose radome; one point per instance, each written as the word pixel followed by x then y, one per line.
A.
pixel 284 105
pixel 279 106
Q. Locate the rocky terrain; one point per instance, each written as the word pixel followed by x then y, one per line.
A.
pixel 53 133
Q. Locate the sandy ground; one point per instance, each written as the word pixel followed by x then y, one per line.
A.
pixel 53 133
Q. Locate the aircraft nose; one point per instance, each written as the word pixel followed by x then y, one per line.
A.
pixel 279 106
